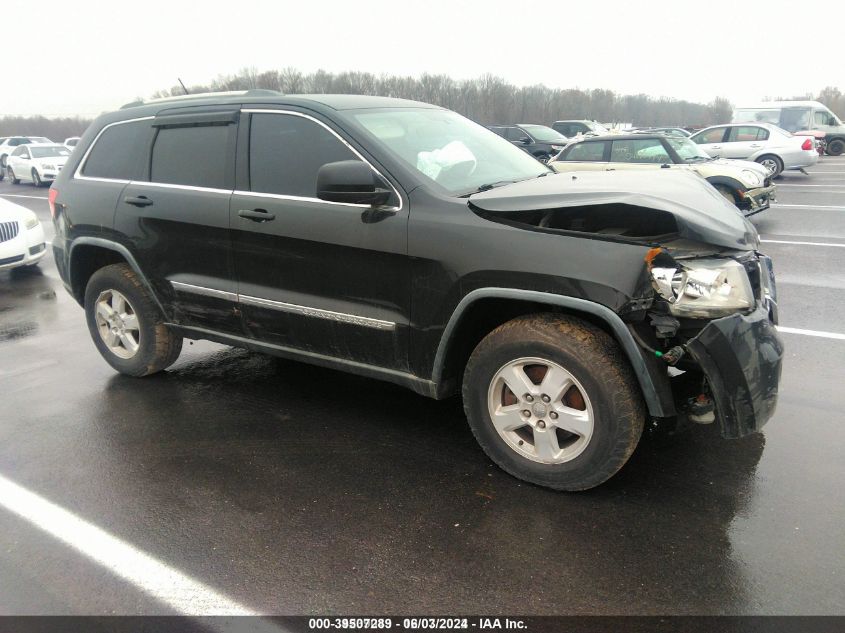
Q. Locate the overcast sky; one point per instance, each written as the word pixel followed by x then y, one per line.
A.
pixel 86 56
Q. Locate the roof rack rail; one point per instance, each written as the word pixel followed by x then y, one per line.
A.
pixel 254 92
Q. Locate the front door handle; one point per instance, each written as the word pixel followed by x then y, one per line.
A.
pixel 257 215
pixel 138 201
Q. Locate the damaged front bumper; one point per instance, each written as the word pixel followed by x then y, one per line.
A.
pixel 741 356
pixel 758 200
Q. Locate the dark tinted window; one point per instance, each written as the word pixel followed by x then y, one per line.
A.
pixel 499 130
pixel 285 152
pixel 195 156
pixel 587 151
pixel 516 134
pixel 115 153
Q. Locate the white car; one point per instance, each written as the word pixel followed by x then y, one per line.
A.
pixel 71 142
pixel 9 143
pixel 776 149
pixel 21 236
pixel 36 163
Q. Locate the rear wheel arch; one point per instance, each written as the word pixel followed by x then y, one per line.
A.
pixel 483 310
pixel 90 254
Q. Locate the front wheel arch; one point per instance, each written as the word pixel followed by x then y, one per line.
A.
pixel 448 361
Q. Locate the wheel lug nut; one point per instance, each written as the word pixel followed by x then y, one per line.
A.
pixel 553 415
pixel 541 424
pixel 526 413
pixel 546 398
pixel 529 398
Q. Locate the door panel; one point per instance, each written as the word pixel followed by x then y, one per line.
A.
pixel 323 277
pixel 181 240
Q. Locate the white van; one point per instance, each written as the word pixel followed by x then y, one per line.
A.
pixel 797 116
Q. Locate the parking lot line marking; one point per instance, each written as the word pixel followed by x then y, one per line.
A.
pixel 795 330
pixel 828 186
pixel 808 206
pixel 802 243
pixel 17 195
pixel 173 588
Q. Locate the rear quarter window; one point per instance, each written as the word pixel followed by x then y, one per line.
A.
pixel 587 151
pixel 117 152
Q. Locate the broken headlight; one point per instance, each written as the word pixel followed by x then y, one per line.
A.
pixel 707 288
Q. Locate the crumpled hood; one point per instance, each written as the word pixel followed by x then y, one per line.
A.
pixel 742 164
pixel 702 214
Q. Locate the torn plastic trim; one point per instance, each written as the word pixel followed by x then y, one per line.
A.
pixel 741 356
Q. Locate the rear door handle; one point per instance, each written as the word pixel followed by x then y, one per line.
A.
pixel 138 201
pixel 257 215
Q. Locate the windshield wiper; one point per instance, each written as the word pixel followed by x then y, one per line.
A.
pixel 487 187
pixel 698 158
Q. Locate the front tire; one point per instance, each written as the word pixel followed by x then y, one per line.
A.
pixel 727 193
pixel 836 147
pixel 553 401
pixel 126 325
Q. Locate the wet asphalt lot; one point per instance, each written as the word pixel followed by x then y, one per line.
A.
pixel 282 488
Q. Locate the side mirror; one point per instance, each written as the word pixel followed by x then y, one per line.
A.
pixel 352 182
pixel 525 140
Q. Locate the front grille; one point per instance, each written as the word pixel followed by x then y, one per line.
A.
pixel 11 260
pixel 8 231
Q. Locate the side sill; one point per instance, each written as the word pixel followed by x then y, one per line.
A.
pixel 418 385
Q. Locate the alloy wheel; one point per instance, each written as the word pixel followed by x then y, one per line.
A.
pixel 540 410
pixel 117 323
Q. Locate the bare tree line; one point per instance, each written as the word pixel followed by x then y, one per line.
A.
pixel 487 99
pixel 55 129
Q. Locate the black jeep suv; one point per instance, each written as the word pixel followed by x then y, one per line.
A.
pixel 400 241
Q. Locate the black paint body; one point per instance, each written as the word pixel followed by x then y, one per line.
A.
pixel 383 292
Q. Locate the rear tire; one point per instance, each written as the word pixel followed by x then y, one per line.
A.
pixel 836 147
pixel 36 179
pixel 772 163
pixel 126 324
pixel 587 386
pixel 12 179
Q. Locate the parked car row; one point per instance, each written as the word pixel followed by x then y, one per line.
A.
pixel 746 184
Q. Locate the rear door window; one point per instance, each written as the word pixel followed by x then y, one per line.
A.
pixel 118 151
pixel 196 156
pixel 286 151
pixel 746 133
pixel 588 151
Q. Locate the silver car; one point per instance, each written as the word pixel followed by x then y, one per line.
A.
pixel 767 144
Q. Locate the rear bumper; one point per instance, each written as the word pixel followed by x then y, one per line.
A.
pixel 741 357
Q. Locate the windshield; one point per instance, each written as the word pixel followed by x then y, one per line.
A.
pixel 38 139
pixel 686 149
pixel 457 154
pixel 598 128
pixel 49 152
pixel 543 133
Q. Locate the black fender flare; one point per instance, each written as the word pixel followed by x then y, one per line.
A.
pixel 733 183
pixel 635 356
pixel 122 251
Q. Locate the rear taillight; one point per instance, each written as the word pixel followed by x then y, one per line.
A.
pixel 807 144
pixel 51 199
